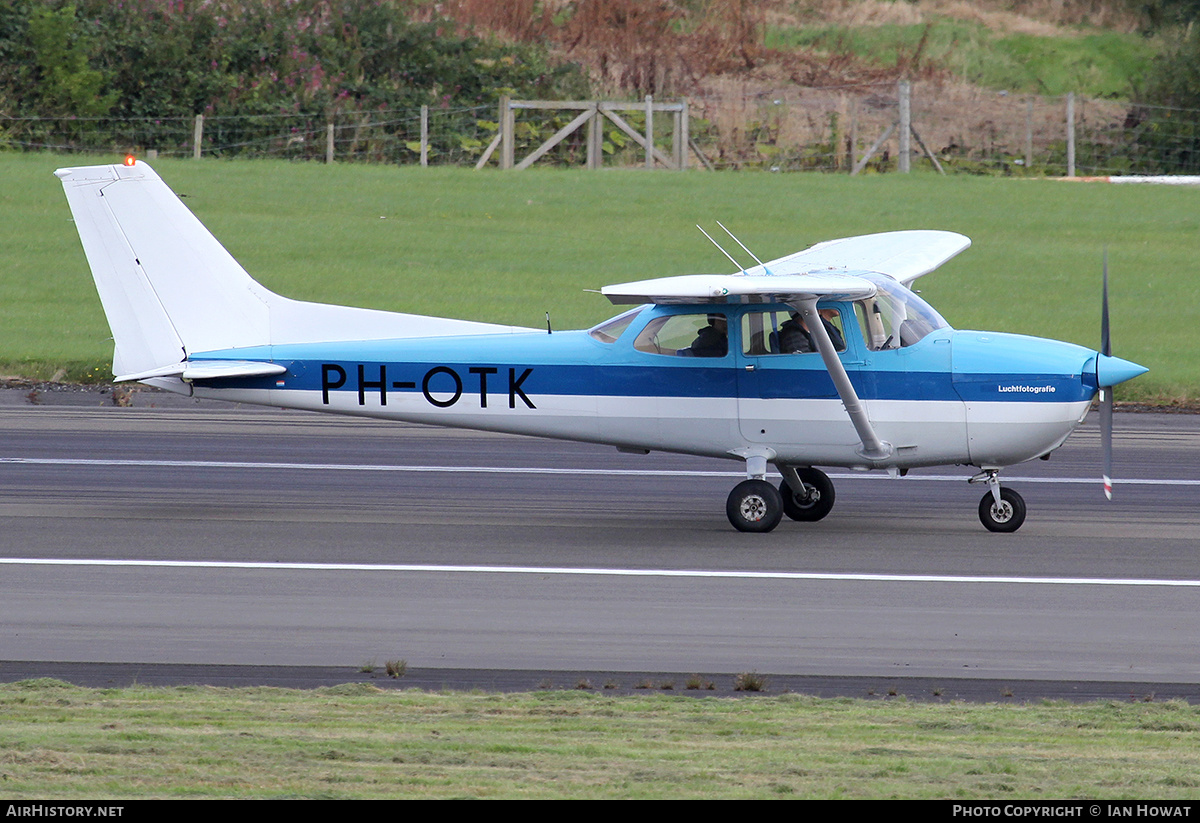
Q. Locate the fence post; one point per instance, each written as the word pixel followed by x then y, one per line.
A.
pixel 905 152
pixel 424 135
pixel 649 133
pixel 507 124
pixel 197 136
pixel 1070 134
pixel 329 143
pixel 1028 134
pixel 852 144
pixel 595 139
pixel 682 136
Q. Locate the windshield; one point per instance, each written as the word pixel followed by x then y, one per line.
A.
pixel 895 316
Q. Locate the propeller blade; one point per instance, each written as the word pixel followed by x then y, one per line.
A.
pixel 1106 393
pixel 1105 342
pixel 1106 413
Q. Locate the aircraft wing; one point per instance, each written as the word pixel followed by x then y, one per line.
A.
pixel 902 255
pixel 740 288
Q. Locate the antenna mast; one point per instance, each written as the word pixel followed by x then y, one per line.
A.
pixel 746 250
pixel 718 245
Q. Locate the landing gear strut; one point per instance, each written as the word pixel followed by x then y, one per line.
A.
pixel 1000 510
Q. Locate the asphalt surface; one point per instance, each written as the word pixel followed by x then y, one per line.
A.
pixel 182 542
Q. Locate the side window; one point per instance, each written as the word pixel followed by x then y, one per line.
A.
pixel 876 325
pixel 785 332
pixel 610 330
pixel 685 335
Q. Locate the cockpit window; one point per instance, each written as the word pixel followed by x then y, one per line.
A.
pixel 610 330
pixel 895 316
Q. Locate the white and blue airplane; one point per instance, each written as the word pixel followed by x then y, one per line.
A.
pixel 825 358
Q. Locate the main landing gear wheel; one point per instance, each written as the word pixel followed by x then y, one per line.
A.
pixel 812 506
pixel 1005 517
pixel 754 506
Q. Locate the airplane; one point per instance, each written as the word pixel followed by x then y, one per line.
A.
pixel 825 357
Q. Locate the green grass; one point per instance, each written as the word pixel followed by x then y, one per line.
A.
pixel 1095 64
pixel 507 247
pixel 64 742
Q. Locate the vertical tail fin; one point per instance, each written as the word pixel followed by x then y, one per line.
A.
pixel 167 286
pixel 170 289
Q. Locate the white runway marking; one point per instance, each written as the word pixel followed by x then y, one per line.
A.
pixel 601 572
pixel 348 467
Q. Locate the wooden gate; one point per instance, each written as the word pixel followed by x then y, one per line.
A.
pixel 592 114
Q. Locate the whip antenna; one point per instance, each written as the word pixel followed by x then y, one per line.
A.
pixel 746 250
pixel 718 245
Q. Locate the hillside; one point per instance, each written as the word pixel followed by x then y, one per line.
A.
pixel 1091 47
pixel 807 85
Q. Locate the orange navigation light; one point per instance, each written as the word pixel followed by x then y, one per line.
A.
pixel 130 160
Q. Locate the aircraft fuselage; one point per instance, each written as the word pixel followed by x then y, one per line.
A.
pixel 952 397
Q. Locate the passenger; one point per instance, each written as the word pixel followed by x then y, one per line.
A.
pixel 713 339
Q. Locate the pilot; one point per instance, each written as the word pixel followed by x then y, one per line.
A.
pixel 835 336
pixel 713 339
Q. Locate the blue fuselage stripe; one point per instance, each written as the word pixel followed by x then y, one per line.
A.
pixel 443 379
pixel 519 368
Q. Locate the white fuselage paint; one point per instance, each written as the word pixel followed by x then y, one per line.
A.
pixel 799 432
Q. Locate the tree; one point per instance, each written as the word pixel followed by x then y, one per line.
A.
pixel 63 80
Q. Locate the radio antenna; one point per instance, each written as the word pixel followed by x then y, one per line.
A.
pixel 743 245
pixel 718 245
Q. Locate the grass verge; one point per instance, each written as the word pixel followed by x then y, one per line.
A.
pixel 357 741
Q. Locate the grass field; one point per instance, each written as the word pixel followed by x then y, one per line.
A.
pixel 356 741
pixel 507 247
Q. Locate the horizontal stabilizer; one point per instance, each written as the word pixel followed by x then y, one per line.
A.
pixel 208 370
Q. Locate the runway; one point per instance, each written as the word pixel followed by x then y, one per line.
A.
pixel 223 535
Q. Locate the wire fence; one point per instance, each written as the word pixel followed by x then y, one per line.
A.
pixel 452 136
pixel 843 129
pixel 966 129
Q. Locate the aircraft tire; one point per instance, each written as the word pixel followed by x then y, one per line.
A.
pixel 754 506
pixel 820 501
pixel 1007 517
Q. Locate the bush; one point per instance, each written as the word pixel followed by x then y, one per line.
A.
pixel 179 58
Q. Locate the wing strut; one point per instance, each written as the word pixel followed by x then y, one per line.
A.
pixel 872 447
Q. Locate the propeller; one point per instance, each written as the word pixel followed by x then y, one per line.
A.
pixel 1106 394
pixel 1109 372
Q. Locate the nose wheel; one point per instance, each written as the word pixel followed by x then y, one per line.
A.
pixel 1000 510
pixel 1005 516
